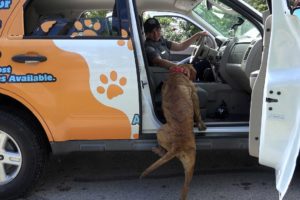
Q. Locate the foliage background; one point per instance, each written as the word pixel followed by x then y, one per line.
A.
pixel 260 5
pixel 185 30
pixel 176 29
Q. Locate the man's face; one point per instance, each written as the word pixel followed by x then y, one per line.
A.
pixel 155 34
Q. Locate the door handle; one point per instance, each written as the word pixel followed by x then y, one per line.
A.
pixel 26 58
pixel 143 84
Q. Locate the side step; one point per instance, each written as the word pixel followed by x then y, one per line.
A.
pixel 202 142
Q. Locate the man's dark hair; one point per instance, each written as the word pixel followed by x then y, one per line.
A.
pixel 151 24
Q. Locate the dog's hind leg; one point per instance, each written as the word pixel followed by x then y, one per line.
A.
pixel 167 157
pixel 163 138
pixel 197 114
pixel 159 151
pixel 187 159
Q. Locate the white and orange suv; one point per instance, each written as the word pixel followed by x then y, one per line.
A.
pixel 74 77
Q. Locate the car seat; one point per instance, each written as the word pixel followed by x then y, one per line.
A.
pixel 52 27
pixel 120 18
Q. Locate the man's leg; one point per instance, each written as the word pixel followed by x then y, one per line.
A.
pixel 201 66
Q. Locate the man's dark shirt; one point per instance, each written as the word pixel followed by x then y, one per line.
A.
pixel 159 49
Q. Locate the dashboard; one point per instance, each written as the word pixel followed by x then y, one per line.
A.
pixel 236 59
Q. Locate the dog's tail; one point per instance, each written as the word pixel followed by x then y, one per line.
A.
pixel 167 157
pixel 188 159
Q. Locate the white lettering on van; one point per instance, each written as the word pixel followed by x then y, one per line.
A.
pixel 6 76
pixel 5 69
pixel 136 119
pixel 5 4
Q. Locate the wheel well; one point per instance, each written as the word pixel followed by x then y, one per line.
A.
pixel 13 106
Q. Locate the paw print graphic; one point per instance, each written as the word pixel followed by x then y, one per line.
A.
pixel 111 87
pixel 87 27
pixel 122 42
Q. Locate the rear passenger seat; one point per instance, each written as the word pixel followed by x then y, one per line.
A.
pixel 89 27
pixel 66 27
pixel 53 27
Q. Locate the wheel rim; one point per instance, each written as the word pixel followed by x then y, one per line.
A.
pixel 10 158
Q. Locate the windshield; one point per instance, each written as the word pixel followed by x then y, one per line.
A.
pixel 225 20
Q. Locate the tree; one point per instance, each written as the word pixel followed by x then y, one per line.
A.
pixel 95 14
pixel 260 5
pixel 177 29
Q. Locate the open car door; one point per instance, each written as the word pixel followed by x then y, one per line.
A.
pixel 279 139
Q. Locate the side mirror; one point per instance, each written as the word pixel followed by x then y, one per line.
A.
pixel 234 27
pixel 296 12
pixel 239 22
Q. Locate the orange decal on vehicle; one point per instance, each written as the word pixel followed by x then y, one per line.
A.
pixel 87 22
pixel 121 42
pixel 89 33
pixel 47 25
pixel 112 90
pixel 6 8
pixel 136 136
pixel 87 28
pixel 129 45
pixel 97 26
pixel 68 106
pixel 124 34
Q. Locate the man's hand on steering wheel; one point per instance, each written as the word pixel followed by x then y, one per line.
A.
pixel 202 34
pixel 199 45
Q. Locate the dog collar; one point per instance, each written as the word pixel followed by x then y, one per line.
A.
pixel 177 70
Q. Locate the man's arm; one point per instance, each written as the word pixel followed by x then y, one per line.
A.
pixel 158 61
pixel 168 65
pixel 185 44
pixel 155 59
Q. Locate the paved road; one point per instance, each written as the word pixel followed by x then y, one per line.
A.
pixel 219 175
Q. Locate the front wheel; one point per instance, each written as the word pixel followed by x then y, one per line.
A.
pixel 22 156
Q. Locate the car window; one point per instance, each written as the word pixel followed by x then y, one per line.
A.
pixel 294 3
pixel 173 28
pixel 225 20
pixel 260 5
pixel 176 29
pixel 48 19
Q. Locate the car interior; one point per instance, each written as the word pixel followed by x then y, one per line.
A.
pixel 232 60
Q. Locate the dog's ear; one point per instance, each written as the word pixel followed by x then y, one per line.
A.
pixel 193 72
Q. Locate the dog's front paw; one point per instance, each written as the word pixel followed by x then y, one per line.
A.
pixel 201 126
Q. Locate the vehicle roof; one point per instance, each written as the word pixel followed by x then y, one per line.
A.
pixel 159 5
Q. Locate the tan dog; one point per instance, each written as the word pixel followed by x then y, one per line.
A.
pixel 176 137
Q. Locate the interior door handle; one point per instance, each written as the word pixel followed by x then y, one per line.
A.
pixel 26 58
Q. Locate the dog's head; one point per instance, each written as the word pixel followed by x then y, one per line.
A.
pixel 191 71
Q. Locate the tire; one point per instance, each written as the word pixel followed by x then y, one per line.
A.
pixel 22 156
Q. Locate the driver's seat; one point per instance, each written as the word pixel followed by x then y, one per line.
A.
pixel 157 75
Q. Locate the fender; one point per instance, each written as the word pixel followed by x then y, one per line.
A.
pixel 32 110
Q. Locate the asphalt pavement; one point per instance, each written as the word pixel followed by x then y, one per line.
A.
pixel 219 175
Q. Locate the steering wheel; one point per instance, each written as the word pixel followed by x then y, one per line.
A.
pixel 199 49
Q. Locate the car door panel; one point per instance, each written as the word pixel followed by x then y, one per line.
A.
pixel 81 90
pixel 257 92
pixel 280 141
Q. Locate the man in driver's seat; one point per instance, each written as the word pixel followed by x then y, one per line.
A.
pixel 158 48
